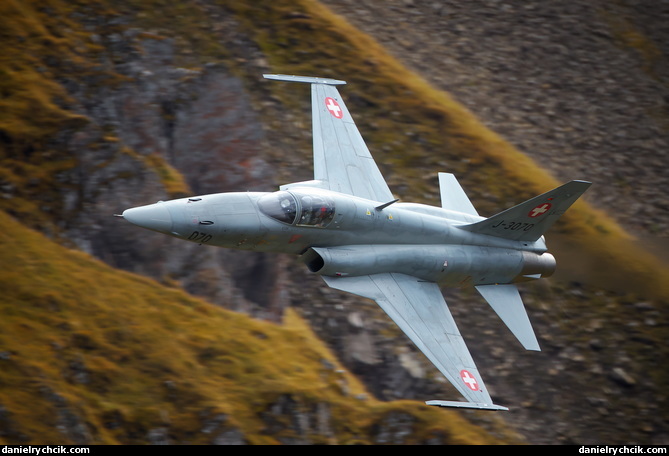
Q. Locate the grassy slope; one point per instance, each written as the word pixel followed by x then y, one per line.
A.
pixel 410 127
pixel 489 167
pixel 112 347
pixel 404 120
pixel 46 49
pixel 83 343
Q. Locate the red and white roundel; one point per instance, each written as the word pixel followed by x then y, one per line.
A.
pixel 539 210
pixel 334 107
pixel 469 380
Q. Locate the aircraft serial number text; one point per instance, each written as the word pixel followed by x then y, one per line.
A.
pixel 513 226
pixel 197 236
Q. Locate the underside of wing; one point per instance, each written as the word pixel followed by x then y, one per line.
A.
pixel 419 309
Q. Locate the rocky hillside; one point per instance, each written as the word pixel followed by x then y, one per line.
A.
pixel 109 105
pixel 581 87
pixel 94 355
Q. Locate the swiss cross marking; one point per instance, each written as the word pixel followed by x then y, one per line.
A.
pixel 469 380
pixel 539 210
pixel 334 108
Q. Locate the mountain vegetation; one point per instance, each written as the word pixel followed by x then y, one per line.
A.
pixel 105 105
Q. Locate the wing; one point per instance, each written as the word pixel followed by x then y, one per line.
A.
pixel 342 161
pixel 419 309
pixel 341 157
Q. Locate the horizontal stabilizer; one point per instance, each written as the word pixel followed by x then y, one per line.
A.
pixel 506 301
pixel 470 405
pixel 529 220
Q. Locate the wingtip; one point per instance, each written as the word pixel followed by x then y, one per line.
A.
pixel 305 79
pixel 468 405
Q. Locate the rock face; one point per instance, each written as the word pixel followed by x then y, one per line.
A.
pixel 561 80
pixel 581 87
pixel 165 118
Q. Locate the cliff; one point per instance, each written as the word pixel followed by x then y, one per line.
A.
pixel 110 105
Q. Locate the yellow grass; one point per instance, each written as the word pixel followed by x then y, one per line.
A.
pixel 80 337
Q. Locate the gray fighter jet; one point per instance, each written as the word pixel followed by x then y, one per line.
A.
pixel 350 229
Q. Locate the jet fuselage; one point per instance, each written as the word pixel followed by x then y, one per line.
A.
pixel 415 239
pixel 348 228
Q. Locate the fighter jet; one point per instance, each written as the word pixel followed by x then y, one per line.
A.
pixel 349 228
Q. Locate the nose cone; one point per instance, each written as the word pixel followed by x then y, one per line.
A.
pixel 154 217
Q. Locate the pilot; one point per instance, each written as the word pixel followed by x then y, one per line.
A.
pixel 321 216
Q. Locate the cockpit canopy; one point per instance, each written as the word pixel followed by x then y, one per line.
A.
pixel 302 209
pixel 281 206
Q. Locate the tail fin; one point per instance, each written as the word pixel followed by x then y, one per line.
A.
pixel 529 220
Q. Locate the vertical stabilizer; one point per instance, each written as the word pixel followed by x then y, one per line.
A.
pixel 529 220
